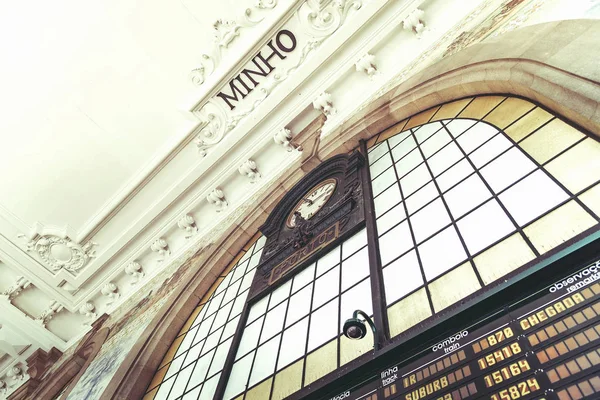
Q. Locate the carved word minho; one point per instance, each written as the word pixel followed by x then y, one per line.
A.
pixel 237 84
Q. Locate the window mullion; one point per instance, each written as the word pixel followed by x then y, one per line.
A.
pixel 228 366
pixel 377 287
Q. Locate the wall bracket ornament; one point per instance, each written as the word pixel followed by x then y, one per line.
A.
pixel 161 247
pixel 54 308
pixel 134 269
pixel 61 252
pixel 16 288
pixel 111 291
pixel 414 22
pixel 324 104
pixel 367 65
pixel 283 137
pixel 249 169
pixel 217 198
pixel 87 310
pixel 188 224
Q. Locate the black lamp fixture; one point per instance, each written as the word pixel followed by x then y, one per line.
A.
pixel 355 329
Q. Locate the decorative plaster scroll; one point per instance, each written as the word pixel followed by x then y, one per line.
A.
pixel 188 224
pixel 224 33
pixel 161 247
pixel 367 65
pixel 217 197
pixel 61 253
pixel 324 104
pixel 87 310
pixel 249 170
pixel 3 387
pixel 54 308
pixel 212 127
pixel 111 291
pixel 134 269
pixel 16 288
pixel 321 18
pixel 414 22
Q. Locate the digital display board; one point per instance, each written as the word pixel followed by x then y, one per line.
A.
pixel 547 347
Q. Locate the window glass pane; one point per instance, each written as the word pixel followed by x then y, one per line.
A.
pixel 408 163
pixel 421 197
pixel 435 143
pixel 220 356
pixel 299 305
pixel 329 260
pixel 264 362
pixel 180 382
pixel 402 277
pixel 484 226
pixel 531 197
pixel 506 169
pixel 303 277
pixel 358 241
pixel 408 312
pixel 454 175
pixel 475 137
pixel 209 388
pixel 376 152
pixel 273 322
pixel 444 159
pixel 458 126
pixel 429 220
pixel 355 268
pixel 390 219
pixel 425 131
pixel 250 337
pixel 574 168
pixel 453 286
pixel 381 165
pixel 239 376
pixel 414 180
pixel 490 150
pixel 292 346
pixel 258 309
pixel 394 243
pixel 201 369
pixel 405 147
pixel 387 200
pixel 384 181
pixel 441 252
pixel 551 139
pixel 279 294
pixel 466 196
pixel 326 287
pixel 323 324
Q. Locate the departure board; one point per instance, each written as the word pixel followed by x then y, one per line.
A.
pixel 547 347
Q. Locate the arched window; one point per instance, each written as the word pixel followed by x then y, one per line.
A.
pixel 467 192
pixel 457 199
pixel 194 362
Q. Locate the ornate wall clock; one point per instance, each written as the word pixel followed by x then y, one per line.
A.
pixel 312 201
pixel 324 208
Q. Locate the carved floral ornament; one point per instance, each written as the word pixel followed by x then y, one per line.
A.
pixel 224 33
pixel 61 253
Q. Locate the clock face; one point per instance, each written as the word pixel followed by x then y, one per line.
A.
pixel 312 201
